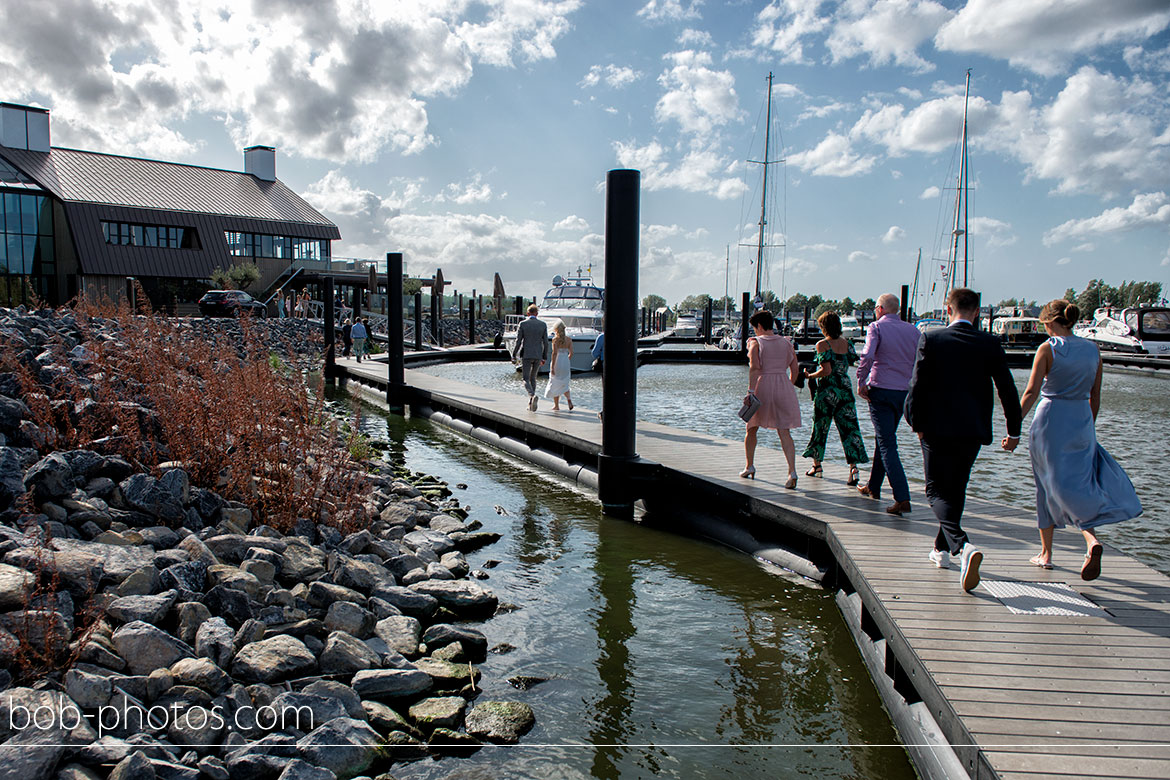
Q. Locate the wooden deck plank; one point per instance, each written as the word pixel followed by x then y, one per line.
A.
pixel 1068 685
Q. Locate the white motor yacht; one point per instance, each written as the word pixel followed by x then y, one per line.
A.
pixel 686 325
pixel 1141 329
pixel 851 328
pixel 580 304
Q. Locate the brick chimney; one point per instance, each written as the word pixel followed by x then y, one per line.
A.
pixel 24 127
pixel 260 161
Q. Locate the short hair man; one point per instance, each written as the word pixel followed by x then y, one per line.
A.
pixel 949 405
pixel 883 374
pixel 531 350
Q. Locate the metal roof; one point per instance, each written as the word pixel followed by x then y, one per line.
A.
pixel 89 177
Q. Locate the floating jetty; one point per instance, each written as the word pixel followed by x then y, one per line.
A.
pixel 1036 675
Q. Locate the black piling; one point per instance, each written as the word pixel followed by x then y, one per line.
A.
pixel 619 380
pixel 745 325
pixel 436 329
pixel 471 321
pixel 396 373
pixel 418 322
pixel 330 333
pixel 518 305
pixel 709 320
pixel 905 313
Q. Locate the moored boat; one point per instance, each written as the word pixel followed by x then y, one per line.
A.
pixel 577 302
pixel 1140 329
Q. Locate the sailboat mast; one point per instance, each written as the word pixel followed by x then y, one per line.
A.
pixel 726 279
pixel 764 188
pixel 912 305
pixel 963 177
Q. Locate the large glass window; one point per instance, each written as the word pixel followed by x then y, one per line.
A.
pixel 280 247
pixel 26 242
pixel 130 234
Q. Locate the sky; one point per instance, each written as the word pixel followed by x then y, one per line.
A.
pixel 475 136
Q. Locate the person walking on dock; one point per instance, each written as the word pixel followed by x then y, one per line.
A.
pixel 769 357
pixel 833 401
pixel 560 370
pixel 531 350
pixel 949 405
pixel 358 334
pixel 346 337
pixel 883 375
pixel 1077 481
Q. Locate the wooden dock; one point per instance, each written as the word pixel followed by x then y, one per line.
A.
pixel 975 688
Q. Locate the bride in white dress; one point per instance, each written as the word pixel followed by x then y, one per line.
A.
pixel 558 374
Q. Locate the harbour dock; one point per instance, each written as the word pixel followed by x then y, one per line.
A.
pixel 1036 675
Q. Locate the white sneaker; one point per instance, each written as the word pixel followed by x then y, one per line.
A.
pixel 940 559
pixel 969 569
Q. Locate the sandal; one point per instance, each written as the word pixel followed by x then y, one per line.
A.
pixel 1038 561
pixel 791 483
pixel 1091 569
pixel 815 471
pixel 853 476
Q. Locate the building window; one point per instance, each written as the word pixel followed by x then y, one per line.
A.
pixel 277 247
pixel 26 235
pixel 166 236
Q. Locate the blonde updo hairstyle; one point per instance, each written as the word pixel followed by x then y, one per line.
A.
pixel 1061 312
pixel 559 337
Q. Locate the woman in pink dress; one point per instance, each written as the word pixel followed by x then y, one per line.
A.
pixel 772 372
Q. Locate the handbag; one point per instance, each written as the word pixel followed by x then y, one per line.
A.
pixel 751 405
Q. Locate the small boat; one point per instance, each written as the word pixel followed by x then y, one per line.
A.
pixel 927 324
pixel 576 301
pixel 686 325
pixel 1141 329
pixel 851 328
pixel 1019 331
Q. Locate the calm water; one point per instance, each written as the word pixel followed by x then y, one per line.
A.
pixel 648 639
pixel 1135 415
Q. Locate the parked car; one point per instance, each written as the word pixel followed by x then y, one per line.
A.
pixel 230 303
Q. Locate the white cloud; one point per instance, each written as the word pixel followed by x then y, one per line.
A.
pixel 697 97
pixel 1085 247
pixel 895 233
pixel 997 232
pixel 782 26
pixel 1044 36
pixel 859 256
pixel 1154 61
pixel 613 75
pixel 818 248
pixel 339 81
pixel 833 156
pixel 702 169
pixel 474 191
pixel 1064 261
pixel 930 192
pixel 886 31
pixel 820 112
pixel 695 38
pixel 670 11
pixel 1151 209
pixel 1166 259
pixel 572 222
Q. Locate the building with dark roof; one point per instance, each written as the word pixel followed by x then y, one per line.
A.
pixel 74 221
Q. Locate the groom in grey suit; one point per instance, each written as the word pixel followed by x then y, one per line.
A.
pixel 531 350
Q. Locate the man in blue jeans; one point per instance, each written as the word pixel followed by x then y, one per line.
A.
pixel 883 376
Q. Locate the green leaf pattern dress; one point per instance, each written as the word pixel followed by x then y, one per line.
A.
pixel 834 402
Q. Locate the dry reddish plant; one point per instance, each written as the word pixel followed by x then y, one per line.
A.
pixel 239 424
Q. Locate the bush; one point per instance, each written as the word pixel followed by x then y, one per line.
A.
pixel 240 276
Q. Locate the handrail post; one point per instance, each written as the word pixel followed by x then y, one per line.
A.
pixel 418 339
pixel 396 373
pixel 619 380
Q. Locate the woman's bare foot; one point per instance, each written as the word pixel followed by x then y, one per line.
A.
pixel 1041 560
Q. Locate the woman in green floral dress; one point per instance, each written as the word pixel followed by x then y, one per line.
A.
pixel 834 399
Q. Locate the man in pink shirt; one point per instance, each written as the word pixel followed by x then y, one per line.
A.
pixel 883 377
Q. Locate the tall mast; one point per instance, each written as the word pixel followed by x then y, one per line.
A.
pixel 726 279
pixel 764 188
pixel 913 302
pixel 963 178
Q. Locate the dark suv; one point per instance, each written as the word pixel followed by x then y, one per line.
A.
pixel 230 303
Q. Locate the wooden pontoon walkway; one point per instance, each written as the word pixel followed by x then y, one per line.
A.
pixel 1027 696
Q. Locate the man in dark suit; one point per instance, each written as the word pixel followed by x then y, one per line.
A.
pixel 949 405
pixel 531 350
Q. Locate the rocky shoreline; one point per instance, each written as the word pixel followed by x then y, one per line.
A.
pixel 151 628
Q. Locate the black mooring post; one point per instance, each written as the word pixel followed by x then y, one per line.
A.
pixel 708 319
pixel 745 324
pixel 619 380
pixel 471 321
pixel 330 327
pixel 418 321
pixel 396 373
pixel 435 329
pixel 905 313
pixel 518 304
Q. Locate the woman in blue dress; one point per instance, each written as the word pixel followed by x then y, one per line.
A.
pixel 1077 481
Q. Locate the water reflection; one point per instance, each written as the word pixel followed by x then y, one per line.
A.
pixel 614 624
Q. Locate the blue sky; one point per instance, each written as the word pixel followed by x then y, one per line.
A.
pixel 475 136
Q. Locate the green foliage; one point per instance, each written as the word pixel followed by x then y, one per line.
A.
pixel 1070 294
pixel 411 286
pixel 274 362
pixel 725 301
pixel 847 306
pixel 693 303
pixel 867 306
pixel 653 302
pixel 1008 303
pixel 825 306
pixel 240 276
pixel 796 302
pixel 359 446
